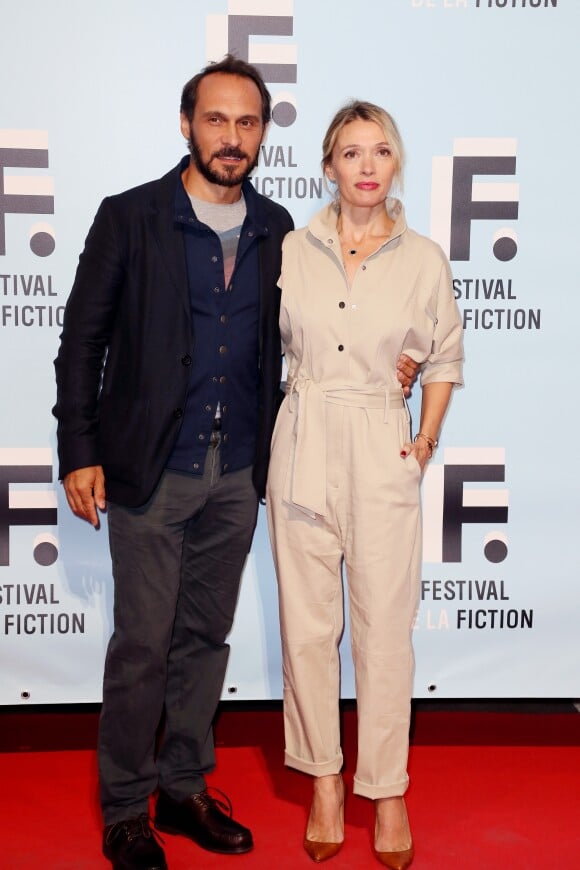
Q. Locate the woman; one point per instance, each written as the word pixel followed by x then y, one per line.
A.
pixel 358 288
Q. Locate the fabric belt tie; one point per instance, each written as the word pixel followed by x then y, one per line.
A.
pixel 307 489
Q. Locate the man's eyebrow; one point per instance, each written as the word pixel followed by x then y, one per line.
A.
pixel 249 116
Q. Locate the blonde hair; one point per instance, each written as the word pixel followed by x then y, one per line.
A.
pixel 359 110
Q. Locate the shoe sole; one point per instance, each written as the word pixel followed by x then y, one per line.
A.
pixel 238 850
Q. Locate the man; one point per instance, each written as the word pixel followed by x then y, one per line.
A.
pixel 176 292
pixel 167 387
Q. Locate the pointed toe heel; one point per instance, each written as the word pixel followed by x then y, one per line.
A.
pixel 396 860
pixel 321 851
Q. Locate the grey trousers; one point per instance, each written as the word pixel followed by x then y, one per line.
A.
pixel 177 564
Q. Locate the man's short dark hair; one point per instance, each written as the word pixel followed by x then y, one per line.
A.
pixel 230 65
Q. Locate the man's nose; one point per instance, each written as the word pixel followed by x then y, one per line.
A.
pixel 231 134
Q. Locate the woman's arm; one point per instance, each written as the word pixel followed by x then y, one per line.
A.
pixel 435 399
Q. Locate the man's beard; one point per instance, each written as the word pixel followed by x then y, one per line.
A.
pixel 227 176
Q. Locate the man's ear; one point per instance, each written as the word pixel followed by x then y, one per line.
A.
pixel 184 124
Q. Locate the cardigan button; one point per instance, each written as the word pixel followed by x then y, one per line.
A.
pixel 341 346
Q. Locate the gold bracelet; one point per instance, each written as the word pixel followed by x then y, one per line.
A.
pixel 432 442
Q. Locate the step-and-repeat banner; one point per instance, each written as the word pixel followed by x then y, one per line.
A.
pixel 485 95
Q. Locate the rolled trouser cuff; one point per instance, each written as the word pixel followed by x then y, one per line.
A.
pixel 323 768
pixel 375 792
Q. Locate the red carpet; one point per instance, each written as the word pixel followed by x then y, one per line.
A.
pixel 488 789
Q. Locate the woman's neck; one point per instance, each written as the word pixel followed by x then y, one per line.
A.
pixel 357 227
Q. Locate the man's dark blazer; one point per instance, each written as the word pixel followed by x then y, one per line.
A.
pixel 122 369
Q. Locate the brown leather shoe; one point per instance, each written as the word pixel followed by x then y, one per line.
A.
pixel 131 845
pixel 396 860
pixel 321 851
pixel 204 820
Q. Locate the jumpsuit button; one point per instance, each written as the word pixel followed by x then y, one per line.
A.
pixel 224 408
pixel 225 437
pixel 223 349
pixel 223 318
pixel 214 259
pixel 201 436
pixel 341 346
pixel 216 289
pixel 341 304
pixel 225 467
pixel 186 360
pixel 223 379
pixel 208 407
pixel 195 466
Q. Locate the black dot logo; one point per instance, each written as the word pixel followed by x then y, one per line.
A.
pixel 505 245
pixel 45 550
pixel 284 109
pixel 42 241
pixel 42 244
pixel 495 547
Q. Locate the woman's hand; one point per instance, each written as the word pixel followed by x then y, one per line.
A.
pixel 421 450
pixel 407 370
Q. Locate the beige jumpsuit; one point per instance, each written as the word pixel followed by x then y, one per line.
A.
pixel 339 489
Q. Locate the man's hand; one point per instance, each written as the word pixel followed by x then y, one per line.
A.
pixel 407 370
pixel 85 492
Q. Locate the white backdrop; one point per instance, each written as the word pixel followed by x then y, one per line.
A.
pixel 485 94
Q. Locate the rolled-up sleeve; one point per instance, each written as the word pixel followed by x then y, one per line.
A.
pixel 445 361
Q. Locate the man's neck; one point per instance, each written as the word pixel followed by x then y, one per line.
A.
pixel 197 185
